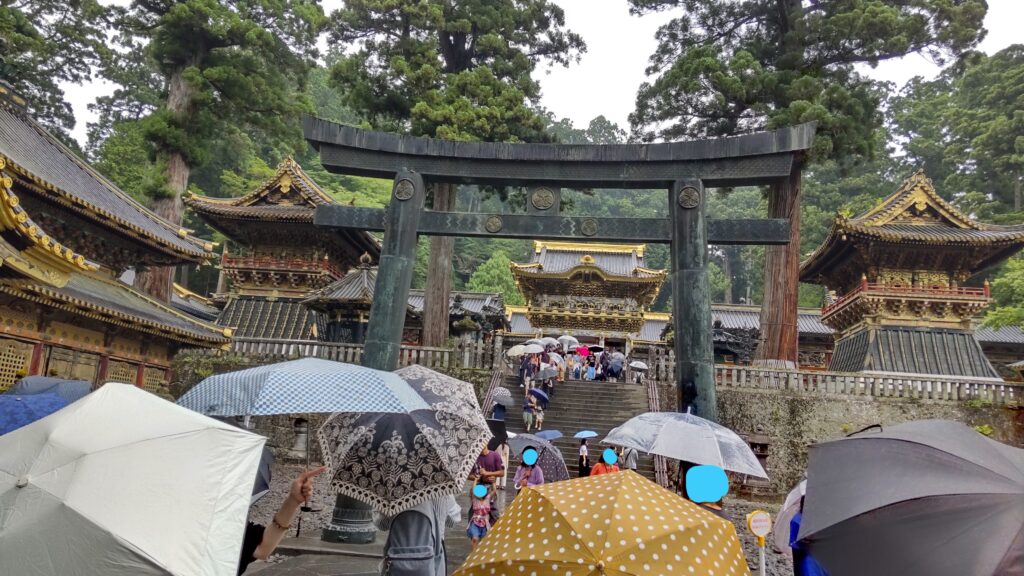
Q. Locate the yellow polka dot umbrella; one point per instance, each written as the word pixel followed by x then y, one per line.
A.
pixel 607 525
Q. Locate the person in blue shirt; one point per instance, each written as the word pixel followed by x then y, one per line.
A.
pixel 803 563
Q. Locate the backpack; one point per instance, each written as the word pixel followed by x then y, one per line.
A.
pixel 412 548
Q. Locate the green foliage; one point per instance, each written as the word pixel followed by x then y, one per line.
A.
pixel 123 159
pixel 985 430
pixel 726 67
pixel 965 128
pixel 495 275
pixel 194 70
pixel 46 42
pixel 1008 296
pixel 450 70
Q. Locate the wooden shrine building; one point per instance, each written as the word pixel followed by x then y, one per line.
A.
pixel 342 309
pixel 901 271
pixel 279 257
pixel 588 289
pixel 66 236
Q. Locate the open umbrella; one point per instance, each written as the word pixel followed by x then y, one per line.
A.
pixel 262 486
pixel 498 430
pixel 583 351
pixel 540 395
pixel 549 341
pixel 612 524
pixel 393 461
pixel 537 341
pixel 927 497
pixel 533 349
pixel 549 435
pixel 545 373
pixel 780 529
pixel 503 396
pixel 617 356
pixel 568 342
pixel 515 351
pixel 638 366
pixel 595 348
pixel 18 411
pixel 69 390
pixel 687 437
pixel 124 483
pixel 556 359
pixel 585 434
pixel 549 458
pixel 307 385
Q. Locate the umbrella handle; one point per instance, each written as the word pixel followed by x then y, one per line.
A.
pixel 865 429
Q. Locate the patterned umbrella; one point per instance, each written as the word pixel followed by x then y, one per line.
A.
pixel 18 411
pixel 69 390
pixel 307 385
pixel 550 458
pixel 393 461
pixel 613 524
pixel 503 396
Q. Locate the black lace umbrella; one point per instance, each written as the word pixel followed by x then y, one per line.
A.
pixel 393 461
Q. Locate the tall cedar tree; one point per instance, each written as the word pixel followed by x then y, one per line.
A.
pixel 453 70
pixel 218 64
pixel 724 67
pixel 46 42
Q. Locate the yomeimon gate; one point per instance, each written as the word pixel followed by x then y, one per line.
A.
pixel 684 169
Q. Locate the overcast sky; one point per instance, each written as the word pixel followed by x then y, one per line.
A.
pixel 606 79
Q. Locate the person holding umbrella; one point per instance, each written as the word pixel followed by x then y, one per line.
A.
pixel 803 563
pixel 584 464
pixel 528 473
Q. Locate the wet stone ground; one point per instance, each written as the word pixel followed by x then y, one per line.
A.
pixel 456 542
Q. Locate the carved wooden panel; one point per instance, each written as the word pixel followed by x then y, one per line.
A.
pixel 153 379
pixel 72 364
pixel 118 371
pixel 14 361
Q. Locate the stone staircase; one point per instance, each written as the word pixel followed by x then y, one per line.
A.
pixel 579 405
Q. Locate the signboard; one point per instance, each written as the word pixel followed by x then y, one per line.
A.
pixel 760 523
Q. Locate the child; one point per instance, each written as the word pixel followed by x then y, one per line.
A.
pixel 528 412
pixel 538 416
pixel 479 515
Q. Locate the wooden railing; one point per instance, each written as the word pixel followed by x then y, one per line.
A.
pixel 961 292
pixel 287 264
pixel 472 355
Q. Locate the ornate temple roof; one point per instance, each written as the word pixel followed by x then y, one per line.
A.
pixel 281 208
pixel 917 221
pixel 354 288
pixel 912 350
pixel 191 303
pixel 594 270
pixel 36 267
pixel 272 319
pixel 459 303
pixel 44 166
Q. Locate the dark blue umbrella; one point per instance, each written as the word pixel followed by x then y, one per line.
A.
pixel 69 390
pixel 18 411
pixel 540 395
pixel 548 434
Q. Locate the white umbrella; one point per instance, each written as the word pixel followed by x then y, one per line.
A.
pixel 536 341
pixel 549 340
pixel 533 349
pixel 780 531
pixel 556 359
pixel 687 437
pixel 638 365
pixel 568 341
pixel 125 483
pixel 514 351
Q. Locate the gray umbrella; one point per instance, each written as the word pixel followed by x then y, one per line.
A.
pixel 549 458
pixel 928 497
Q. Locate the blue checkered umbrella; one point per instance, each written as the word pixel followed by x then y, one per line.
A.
pixel 18 411
pixel 69 390
pixel 308 385
pixel 395 461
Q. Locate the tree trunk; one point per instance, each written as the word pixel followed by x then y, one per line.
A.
pixel 727 270
pixel 439 275
pixel 1017 193
pixel 779 338
pixel 157 281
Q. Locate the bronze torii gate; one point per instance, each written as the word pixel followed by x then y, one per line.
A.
pixel 682 168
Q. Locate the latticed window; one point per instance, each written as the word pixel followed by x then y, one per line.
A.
pixel 15 357
pixel 118 371
pixel 153 379
pixel 73 365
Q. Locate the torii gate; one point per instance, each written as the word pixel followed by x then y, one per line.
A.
pixel 684 169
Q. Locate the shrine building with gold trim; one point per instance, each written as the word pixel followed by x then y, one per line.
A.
pixel 66 236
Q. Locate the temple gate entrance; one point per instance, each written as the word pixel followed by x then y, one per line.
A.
pixel 684 169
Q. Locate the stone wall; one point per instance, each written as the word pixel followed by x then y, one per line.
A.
pixel 192 366
pixel 793 420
